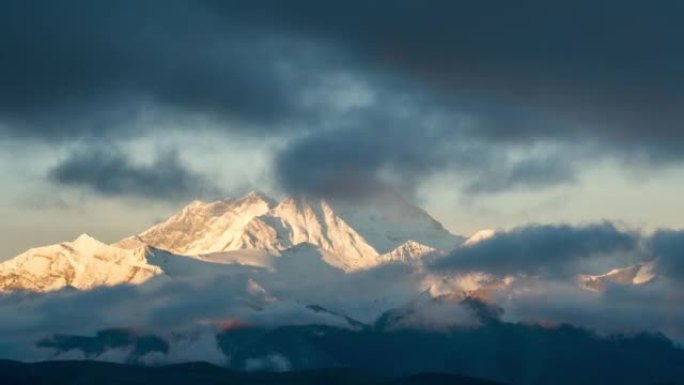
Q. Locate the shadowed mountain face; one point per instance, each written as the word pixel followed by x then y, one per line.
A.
pixel 509 353
pixel 105 340
pixel 85 372
pixel 514 354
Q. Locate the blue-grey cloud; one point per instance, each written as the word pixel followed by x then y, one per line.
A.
pixel 84 69
pixel 605 78
pixel 406 135
pixel 544 250
pixel 668 247
pixel 522 73
pixel 614 65
pixel 108 171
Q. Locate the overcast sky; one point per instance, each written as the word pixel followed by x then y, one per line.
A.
pixel 489 114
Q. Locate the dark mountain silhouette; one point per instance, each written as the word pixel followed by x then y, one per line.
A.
pixel 518 354
pixel 505 352
pixel 101 373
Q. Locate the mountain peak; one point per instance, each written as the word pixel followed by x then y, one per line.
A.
pixel 218 207
pixel 353 235
pixel 388 220
pixel 205 227
pixel 480 236
pixel 86 240
pixel 638 274
pixel 299 201
pixel 257 196
pixel 408 251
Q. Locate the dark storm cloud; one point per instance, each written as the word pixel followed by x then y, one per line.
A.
pixel 407 134
pixel 108 171
pixel 616 65
pixel 539 250
pixel 668 247
pixel 349 160
pixel 82 68
pixel 605 76
pixel 354 162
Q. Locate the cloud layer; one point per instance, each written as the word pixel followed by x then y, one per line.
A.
pixel 528 274
pixel 362 93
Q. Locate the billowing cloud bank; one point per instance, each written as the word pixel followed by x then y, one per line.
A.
pixel 530 275
pixel 546 265
pixel 505 96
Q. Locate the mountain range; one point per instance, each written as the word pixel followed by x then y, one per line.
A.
pixel 257 231
pixel 254 230
pixel 255 284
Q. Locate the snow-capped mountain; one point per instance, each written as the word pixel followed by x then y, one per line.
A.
pixel 408 252
pixel 479 236
pixel 204 228
pixel 638 274
pixel 387 221
pixel 83 264
pixel 254 230
pixel 296 237
pixel 352 237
